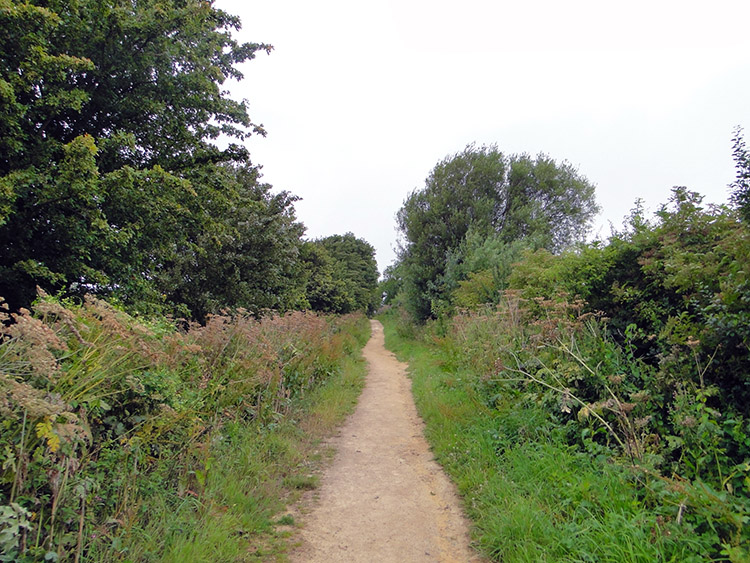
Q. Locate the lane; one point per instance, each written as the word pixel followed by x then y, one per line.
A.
pixel 384 498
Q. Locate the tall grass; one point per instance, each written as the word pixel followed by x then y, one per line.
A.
pixel 128 439
pixel 558 443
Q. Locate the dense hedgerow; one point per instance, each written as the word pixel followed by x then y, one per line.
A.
pixel 635 354
pixel 100 411
pixel 551 373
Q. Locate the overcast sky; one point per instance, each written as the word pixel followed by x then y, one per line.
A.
pixel 362 99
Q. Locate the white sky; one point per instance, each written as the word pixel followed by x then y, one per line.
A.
pixel 362 99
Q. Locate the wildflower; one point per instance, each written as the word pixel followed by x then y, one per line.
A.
pixel 689 421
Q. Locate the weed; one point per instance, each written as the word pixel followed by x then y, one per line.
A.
pixel 121 435
pixel 568 448
pixel 286 520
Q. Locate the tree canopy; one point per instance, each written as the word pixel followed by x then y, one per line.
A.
pixel 342 275
pixel 741 186
pixel 481 190
pixel 111 179
pixel 146 76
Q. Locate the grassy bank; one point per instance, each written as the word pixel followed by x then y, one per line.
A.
pixel 130 440
pixel 534 494
pixel 257 471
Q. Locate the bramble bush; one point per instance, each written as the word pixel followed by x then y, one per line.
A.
pixel 635 351
pixel 551 373
pixel 635 354
pixel 101 410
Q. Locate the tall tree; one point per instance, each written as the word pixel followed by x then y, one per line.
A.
pixel 245 250
pixel 741 186
pixel 146 76
pixel 480 189
pixel 108 108
pixel 355 264
pixel 341 274
pixel 325 290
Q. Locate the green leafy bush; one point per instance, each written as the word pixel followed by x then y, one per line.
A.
pixel 550 362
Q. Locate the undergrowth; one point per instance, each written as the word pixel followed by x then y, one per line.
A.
pixel 129 439
pixel 566 447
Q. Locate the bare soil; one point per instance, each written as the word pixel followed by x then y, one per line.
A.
pixel 384 498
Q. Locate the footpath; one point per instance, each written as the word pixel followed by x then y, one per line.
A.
pixel 384 498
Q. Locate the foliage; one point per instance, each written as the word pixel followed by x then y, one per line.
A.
pixel 479 269
pixel 109 179
pixel 242 250
pixel 145 78
pixel 485 192
pixel 622 362
pixel 107 418
pixel 741 186
pixel 38 85
pixel 342 274
pixel 632 356
pixel 687 453
pixel 532 495
pixel 324 290
pixel 355 264
pixel 55 225
pixel 390 286
pixel 676 290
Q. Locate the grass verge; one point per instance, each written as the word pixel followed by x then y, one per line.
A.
pixel 256 472
pixel 531 497
pixel 126 439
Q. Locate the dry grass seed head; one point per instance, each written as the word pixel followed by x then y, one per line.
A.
pixel 59 318
pixel 33 344
pixel 38 403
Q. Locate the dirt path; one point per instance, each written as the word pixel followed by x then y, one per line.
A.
pixel 384 498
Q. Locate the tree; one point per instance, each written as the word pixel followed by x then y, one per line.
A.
pixel 343 274
pixel 325 290
pixel 391 284
pixel 38 86
pixel 243 252
pixel 355 263
pixel 741 186
pixel 515 197
pixel 146 76
pixel 108 171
